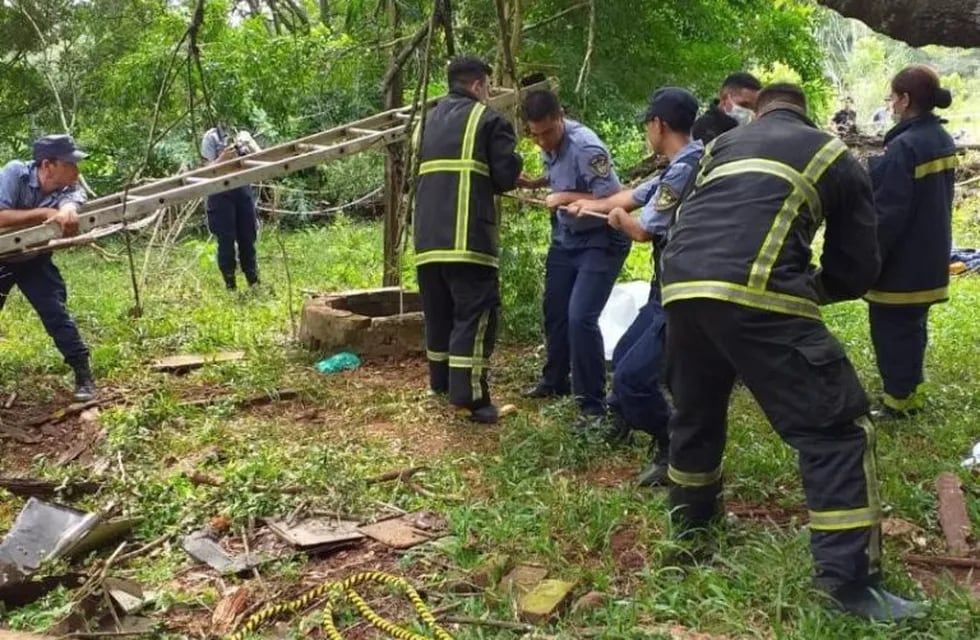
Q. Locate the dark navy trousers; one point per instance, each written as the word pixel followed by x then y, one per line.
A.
pixel 900 335
pixel 638 361
pixel 577 284
pixel 41 283
pixel 232 220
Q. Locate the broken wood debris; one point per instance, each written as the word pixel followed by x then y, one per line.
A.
pixel 317 533
pixel 952 514
pixel 405 531
pixel 189 362
pixel 28 487
pixel 229 609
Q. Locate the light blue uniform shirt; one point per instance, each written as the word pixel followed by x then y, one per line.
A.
pixel 660 196
pixel 20 188
pixel 581 163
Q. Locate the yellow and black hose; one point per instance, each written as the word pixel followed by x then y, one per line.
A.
pixel 344 590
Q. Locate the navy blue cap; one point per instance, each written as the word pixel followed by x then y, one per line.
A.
pixel 677 107
pixel 58 147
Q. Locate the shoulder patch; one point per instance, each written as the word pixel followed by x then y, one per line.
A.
pixel 666 198
pixel 600 164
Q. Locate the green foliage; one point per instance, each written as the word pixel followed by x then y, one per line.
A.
pixel 107 60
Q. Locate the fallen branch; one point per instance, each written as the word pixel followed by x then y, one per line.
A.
pixel 203 479
pixel 250 401
pixel 10 401
pixel 159 542
pixel 487 622
pixel 104 634
pixel 425 493
pixel 400 475
pixel 27 487
pixel 944 561
pixel 71 410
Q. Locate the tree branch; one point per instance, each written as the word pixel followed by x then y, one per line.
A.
pixel 402 57
pixel 554 18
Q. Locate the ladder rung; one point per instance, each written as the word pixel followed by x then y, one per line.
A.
pixel 306 148
pixel 364 132
pixel 403 116
pixel 256 163
pixel 196 179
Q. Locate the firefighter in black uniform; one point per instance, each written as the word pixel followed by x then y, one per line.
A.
pixel 913 188
pixel 742 300
pixel 467 156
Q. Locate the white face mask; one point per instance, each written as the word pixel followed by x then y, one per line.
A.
pixel 741 114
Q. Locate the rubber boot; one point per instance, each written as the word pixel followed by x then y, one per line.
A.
pixel 84 383
pixel 876 604
pixel 655 473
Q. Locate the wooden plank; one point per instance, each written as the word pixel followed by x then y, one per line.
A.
pixel 267 164
pixel 195 361
pixel 952 514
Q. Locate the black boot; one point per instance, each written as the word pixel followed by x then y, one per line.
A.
pixel 84 383
pixel 655 473
pixel 874 603
pixel 485 415
pixel 542 390
pixel 231 283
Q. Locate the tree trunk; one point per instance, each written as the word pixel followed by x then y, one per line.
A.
pixel 325 12
pixel 952 23
pixel 394 164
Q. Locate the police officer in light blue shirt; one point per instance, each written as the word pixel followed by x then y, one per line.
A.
pixel 636 401
pixel 46 191
pixel 231 214
pixel 584 259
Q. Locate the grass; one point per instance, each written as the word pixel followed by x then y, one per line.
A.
pixel 531 491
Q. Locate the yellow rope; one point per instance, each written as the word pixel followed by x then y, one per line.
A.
pixel 344 590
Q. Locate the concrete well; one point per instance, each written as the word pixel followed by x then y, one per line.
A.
pixel 371 323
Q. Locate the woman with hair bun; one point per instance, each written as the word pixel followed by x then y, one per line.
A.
pixel 913 190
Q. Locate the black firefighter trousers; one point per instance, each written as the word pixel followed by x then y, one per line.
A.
pixel 461 303
pixel 802 379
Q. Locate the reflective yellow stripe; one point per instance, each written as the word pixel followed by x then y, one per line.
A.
pixel 773 168
pixel 463 362
pixel 705 163
pixel 803 189
pixel 908 297
pixel 437 166
pixel 463 194
pixel 938 165
pixel 437 356
pixel 844 519
pixel 451 255
pixel 740 294
pixel 477 372
pixel 870 464
pixel 914 401
pixel 689 479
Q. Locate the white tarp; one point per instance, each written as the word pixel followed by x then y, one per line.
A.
pixel 621 309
